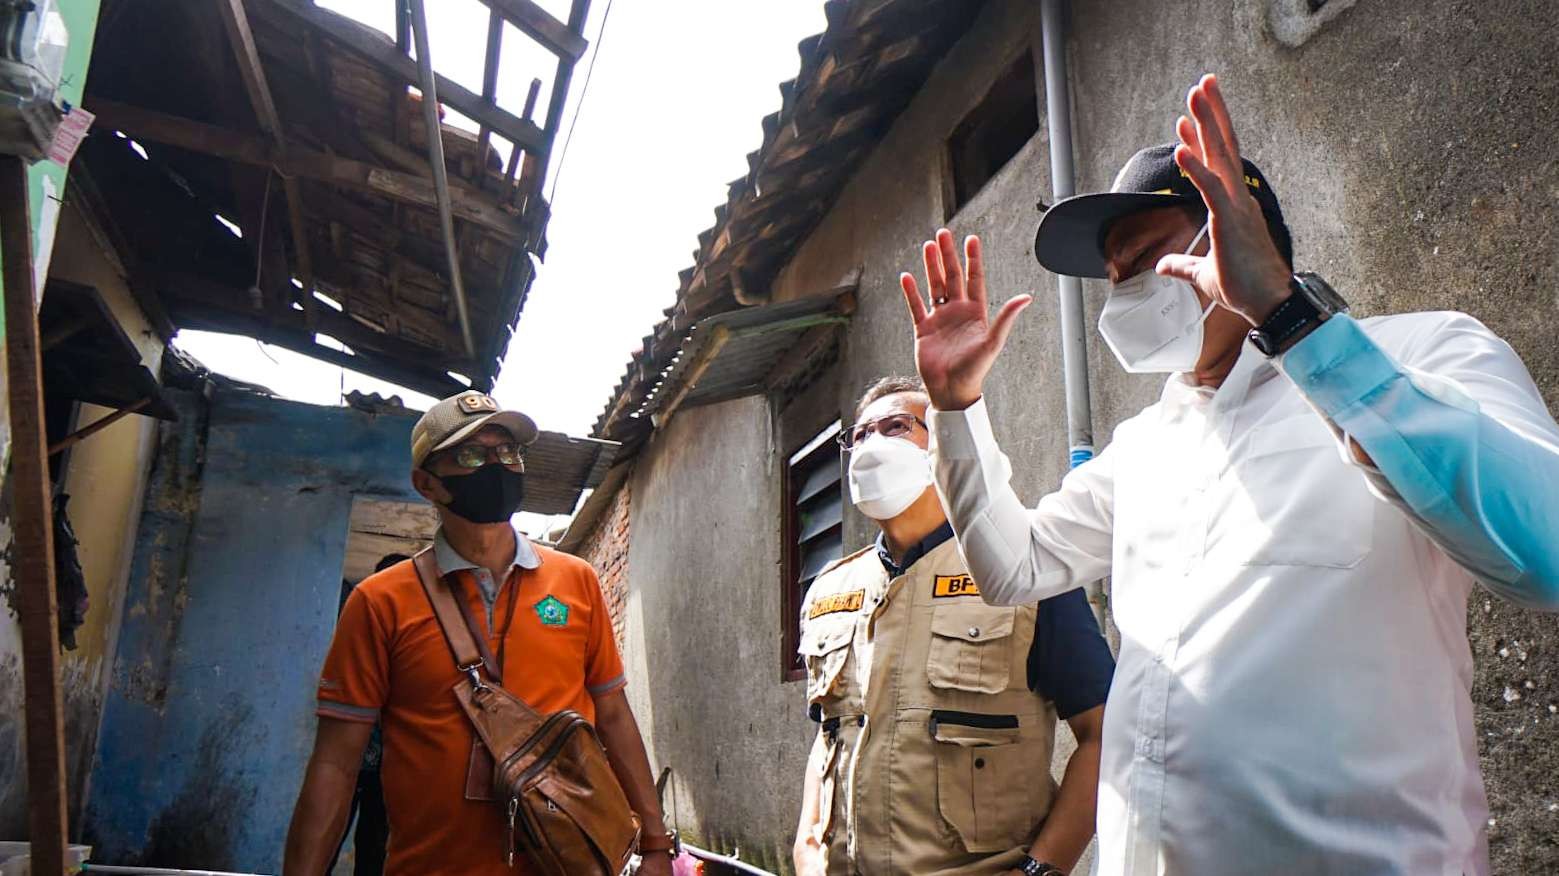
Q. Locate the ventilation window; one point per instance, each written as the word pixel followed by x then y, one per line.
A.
pixel 993 132
pixel 813 530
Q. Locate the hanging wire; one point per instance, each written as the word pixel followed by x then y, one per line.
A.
pixel 600 35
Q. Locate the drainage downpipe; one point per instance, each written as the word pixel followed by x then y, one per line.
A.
pixel 1074 343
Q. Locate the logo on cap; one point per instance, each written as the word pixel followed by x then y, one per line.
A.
pixel 476 403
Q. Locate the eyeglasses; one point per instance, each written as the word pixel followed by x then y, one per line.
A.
pixel 891 426
pixel 476 455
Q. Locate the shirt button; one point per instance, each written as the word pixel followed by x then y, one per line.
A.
pixel 974 632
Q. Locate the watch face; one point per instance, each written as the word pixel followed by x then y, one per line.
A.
pixel 1322 294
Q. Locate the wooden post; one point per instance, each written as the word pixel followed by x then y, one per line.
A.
pixel 32 530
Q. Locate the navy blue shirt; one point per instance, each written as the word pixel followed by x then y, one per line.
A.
pixel 1069 663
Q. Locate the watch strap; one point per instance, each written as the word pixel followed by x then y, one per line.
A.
pixel 1293 315
pixel 1030 867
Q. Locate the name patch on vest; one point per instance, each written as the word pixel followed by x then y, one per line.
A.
pixel 955 585
pixel 837 602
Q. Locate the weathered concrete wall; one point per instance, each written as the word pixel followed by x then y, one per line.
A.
pixel 232 601
pixel 105 478
pixel 703 631
pixel 1411 146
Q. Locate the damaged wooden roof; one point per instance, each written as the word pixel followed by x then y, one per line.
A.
pixel 855 79
pixel 261 167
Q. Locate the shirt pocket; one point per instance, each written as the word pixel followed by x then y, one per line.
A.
pixel 971 647
pixel 1296 502
pixel 825 647
pixel 983 779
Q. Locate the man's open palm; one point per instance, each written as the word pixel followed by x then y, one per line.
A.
pixel 955 342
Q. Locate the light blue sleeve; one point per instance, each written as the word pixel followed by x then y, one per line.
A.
pixel 1460 434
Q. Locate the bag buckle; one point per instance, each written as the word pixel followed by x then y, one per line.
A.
pixel 474 671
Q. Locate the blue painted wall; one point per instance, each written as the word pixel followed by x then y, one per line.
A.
pixel 232 599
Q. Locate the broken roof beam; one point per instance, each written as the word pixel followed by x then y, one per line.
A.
pixel 143 124
pixel 252 70
pixel 382 52
pixel 484 134
pixel 577 13
pixel 446 217
pixel 538 24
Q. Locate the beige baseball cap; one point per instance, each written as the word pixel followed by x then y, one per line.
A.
pixel 458 417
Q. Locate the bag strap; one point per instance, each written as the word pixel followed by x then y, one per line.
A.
pixel 462 644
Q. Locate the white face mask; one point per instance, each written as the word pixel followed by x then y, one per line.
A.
pixel 887 475
pixel 1153 323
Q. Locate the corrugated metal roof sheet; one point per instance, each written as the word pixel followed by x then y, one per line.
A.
pixel 855 79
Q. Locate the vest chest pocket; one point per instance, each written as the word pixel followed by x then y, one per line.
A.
pixel 984 779
pixel 825 645
pixel 971 647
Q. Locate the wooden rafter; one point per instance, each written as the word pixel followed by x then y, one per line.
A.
pixel 489 92
pixel 374 47
pixel 155 127
pixel 436 163
pixel 539 25
pixel 32 525
pixel 252 70
pixel 578 11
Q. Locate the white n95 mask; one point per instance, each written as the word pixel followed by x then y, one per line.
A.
pixel 887 475
pixel 1153 323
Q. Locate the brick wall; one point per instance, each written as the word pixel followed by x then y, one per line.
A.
pixel 606 548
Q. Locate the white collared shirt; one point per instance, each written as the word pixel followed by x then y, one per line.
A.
pixel 1292 689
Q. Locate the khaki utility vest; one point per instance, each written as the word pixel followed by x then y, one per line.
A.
pixel 936 754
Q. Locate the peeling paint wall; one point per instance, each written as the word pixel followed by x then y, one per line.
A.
pixel 232 600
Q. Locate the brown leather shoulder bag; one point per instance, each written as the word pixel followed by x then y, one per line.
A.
pixel 550 774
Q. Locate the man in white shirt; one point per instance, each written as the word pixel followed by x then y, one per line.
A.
pixel 1293 530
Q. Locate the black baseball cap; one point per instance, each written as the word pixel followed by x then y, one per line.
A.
pixel 1070 239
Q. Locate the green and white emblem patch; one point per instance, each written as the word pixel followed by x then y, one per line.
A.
pixel 552 611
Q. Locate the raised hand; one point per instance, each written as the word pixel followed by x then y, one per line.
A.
pixel 955 342
pixel 1243 270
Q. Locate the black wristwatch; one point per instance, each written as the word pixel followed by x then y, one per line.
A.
pixel 1312 302
pixel 1031 867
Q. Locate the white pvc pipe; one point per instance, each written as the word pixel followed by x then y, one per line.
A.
pixel 1074 337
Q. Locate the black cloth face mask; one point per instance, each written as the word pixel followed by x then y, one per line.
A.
pixel 491 494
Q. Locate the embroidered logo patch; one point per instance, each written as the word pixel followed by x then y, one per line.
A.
pixel 837 602
pixel 955 585
pixel 552 611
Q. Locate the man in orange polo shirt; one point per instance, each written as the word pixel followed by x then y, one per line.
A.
pixel 543 616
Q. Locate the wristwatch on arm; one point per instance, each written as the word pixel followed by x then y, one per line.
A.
pixel 1030 867
pixel 1312 303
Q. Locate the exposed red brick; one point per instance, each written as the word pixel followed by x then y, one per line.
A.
pixel 606 548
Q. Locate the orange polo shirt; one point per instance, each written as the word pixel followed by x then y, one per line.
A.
pixel 389 663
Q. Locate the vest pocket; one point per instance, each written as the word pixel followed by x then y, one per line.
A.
pixel 971 647
pixel 824 647
pixel 982 779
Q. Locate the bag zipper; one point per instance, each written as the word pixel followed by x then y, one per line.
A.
pixel 552 751
pixel 525 746
pixel 514 808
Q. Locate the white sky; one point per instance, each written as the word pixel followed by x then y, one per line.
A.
pixel 673 108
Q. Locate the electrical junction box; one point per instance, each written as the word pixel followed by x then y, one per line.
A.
pixel 33 39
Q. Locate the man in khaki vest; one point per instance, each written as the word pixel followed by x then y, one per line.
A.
pixel 937 712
